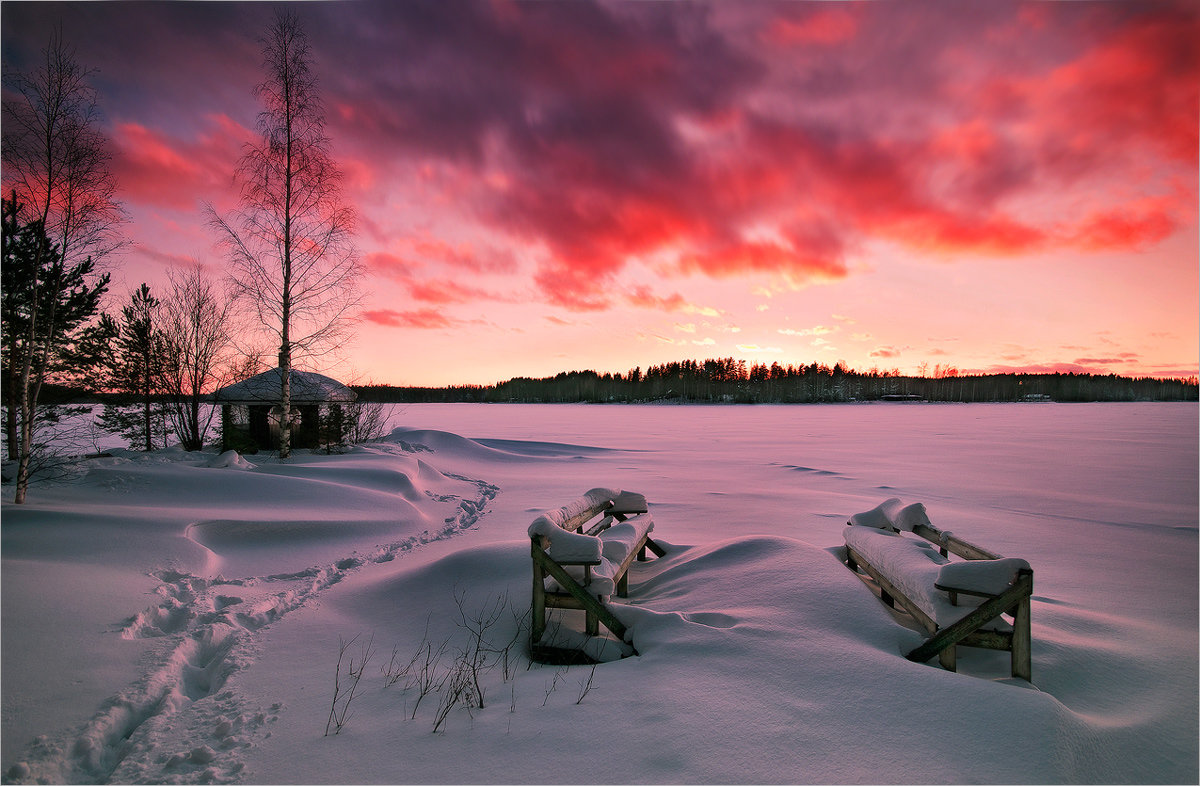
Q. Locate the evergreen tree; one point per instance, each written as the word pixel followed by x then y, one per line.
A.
pixel 48 330
pixel 136 370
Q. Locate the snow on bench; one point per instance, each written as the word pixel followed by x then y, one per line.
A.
pixel 957 602
pixel 578 568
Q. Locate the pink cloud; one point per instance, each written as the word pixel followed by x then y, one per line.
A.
pixel 825 26
pixel 423 319
pixel 1041 368
pixel 643 297
pixel 156 169
pixel 387 265
pixel 1136 224
pixel 464 256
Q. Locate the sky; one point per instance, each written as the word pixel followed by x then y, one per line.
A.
pixel 551 186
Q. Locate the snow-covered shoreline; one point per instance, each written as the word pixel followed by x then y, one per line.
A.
pixel 168 620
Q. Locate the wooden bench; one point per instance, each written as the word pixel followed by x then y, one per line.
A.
pixel 585 548
pixel 956 602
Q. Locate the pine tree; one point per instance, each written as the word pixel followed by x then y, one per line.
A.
pixel 136 370
pixel 48 330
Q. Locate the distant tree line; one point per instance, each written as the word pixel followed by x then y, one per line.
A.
pixel 726 380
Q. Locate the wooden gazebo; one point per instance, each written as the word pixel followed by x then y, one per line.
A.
pixel 251 412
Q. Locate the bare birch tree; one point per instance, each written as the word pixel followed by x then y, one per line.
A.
pixel 290 241
pixel 56 160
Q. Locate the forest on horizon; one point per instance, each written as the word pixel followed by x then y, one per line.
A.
pixel 726 380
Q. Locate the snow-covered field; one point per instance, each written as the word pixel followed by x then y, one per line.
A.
pixel 177 617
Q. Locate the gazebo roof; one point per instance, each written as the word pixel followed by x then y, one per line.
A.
pixel 307 387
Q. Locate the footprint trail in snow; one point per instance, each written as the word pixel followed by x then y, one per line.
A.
pixel 179 722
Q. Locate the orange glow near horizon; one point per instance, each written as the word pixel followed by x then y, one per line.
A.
pixel 549 187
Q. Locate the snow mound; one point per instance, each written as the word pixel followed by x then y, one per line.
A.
pixel 230 459
pixel 443 442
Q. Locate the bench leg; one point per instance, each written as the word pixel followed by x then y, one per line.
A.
pixel 591 624
pixel 949 658
pixel 538 615
pixel 1022 661
pixel 887 598
pixel 623 585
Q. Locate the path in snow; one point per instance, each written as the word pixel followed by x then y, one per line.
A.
pixel 211 626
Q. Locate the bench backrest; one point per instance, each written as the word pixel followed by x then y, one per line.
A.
pixel 581 510
pixel 894 516
pixel 955 545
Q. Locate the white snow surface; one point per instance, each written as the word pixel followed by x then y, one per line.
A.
pixel 992 576
pixel 566 546
pixel 306 387
pixel 882 516
pixel 893 514
pixel 177 618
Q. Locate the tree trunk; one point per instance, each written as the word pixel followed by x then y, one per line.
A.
pixel 26 435
pixel 285 406
pixel 285 348
pixel 193 425
pixel 147 416
pixel 12 405
pixel 28 403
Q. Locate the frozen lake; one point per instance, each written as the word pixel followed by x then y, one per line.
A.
pixel 1128 465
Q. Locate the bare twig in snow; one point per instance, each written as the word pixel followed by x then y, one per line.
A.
pixel 585 686
pixel 344 694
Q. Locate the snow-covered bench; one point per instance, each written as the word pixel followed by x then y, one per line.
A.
pixel 581 557
pixel 957 602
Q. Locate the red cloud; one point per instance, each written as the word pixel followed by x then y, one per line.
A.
pixel 429 290
pixel 389 266
pixel 592 230
pixel 764 257
pixel 1133 225
pixel 154 168
pixel 642 297
pixel 424 319
pixel 826 26
pixel 774 138
pixel 451 291
pixel 605 137
pixel 464 256
pixel 442 292
pixel 1139 84
pixel 574 290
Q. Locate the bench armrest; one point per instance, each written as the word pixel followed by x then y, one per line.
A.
pixel 564 546
pixel 964 591
pixel 982 578
pixel 628 503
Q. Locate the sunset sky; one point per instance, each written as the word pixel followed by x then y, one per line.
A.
pixel 547 186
